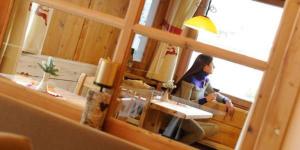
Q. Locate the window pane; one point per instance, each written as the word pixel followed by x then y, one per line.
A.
pixel 147 17
pixel 244 27
pixel 234 79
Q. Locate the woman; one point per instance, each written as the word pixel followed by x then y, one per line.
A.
pixel 195 86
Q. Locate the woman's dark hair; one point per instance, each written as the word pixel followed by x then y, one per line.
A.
pixel 201 61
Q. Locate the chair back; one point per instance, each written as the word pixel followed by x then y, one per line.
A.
pixel 85 82
pixel 134 104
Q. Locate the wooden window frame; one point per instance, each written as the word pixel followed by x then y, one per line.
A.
pixel 261 122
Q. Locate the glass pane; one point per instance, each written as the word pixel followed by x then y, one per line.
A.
pixel 147 18
pixel 241 29
pixel 234 79
pixel 38 31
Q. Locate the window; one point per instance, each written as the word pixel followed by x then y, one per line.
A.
pixel 244 27
pixel 147 17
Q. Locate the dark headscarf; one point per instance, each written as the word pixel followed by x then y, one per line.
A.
pixel 197 69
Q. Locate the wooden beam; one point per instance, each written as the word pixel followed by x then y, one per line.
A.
pixel 185 42
pixel 123 49
pixel 142 137
pixel 274 126
pixel 16 34
pixel 265 99
pixel 5 11
pixel 279 3
pixel 84 12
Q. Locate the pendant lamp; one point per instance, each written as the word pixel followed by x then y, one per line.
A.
pixel 202 22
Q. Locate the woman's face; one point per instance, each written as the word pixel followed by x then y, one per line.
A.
pixel 209 68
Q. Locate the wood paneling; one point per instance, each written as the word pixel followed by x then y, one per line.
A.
pixel 69 71
pixel 75 38
pixel 215 145
pixel 75 9
pixel 63 33
pixel 237 120
pixel 99 40
pixel 291 140
pixel 227 135
pixel 143 137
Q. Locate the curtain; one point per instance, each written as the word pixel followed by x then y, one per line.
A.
pixel 36 29
pixel 164 63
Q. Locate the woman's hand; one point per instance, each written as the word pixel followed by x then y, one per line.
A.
pixel 211 96
pixel 229 108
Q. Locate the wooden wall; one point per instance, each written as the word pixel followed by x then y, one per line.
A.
pixel 69 71
pixel 63 33
pixel 75 38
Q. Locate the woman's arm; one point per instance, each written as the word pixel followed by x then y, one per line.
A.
pixel 222 99
pixel 219 97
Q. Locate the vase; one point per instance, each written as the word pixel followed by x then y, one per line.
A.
pixel 42 86
pixel 165 96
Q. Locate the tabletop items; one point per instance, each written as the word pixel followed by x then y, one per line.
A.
pixel 59 93
pixel 95 109
pixel 49 69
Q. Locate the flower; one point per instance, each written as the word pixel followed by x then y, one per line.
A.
pixel 49 67
pixel 169 85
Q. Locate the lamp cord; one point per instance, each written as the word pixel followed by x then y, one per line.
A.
pixel 207 8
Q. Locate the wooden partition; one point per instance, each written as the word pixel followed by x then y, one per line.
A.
pixel 5 9
pixel 269 116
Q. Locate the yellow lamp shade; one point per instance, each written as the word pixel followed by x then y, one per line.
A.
pixel 201 22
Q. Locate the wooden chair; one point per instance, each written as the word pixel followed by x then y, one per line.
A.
pixel 85 81
pixel 140 95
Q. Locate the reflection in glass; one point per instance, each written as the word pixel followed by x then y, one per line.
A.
pixel 234 79
pixel 36 31
pixel 241 29
pixel 147 18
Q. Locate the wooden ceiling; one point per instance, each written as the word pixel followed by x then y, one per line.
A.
pixel 273 2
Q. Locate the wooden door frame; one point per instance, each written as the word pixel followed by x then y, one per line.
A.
pixel 260 117
pixel 8 4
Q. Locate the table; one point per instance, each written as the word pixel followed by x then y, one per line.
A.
pixel 65 95
pixel 180 110
pixel 157 110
